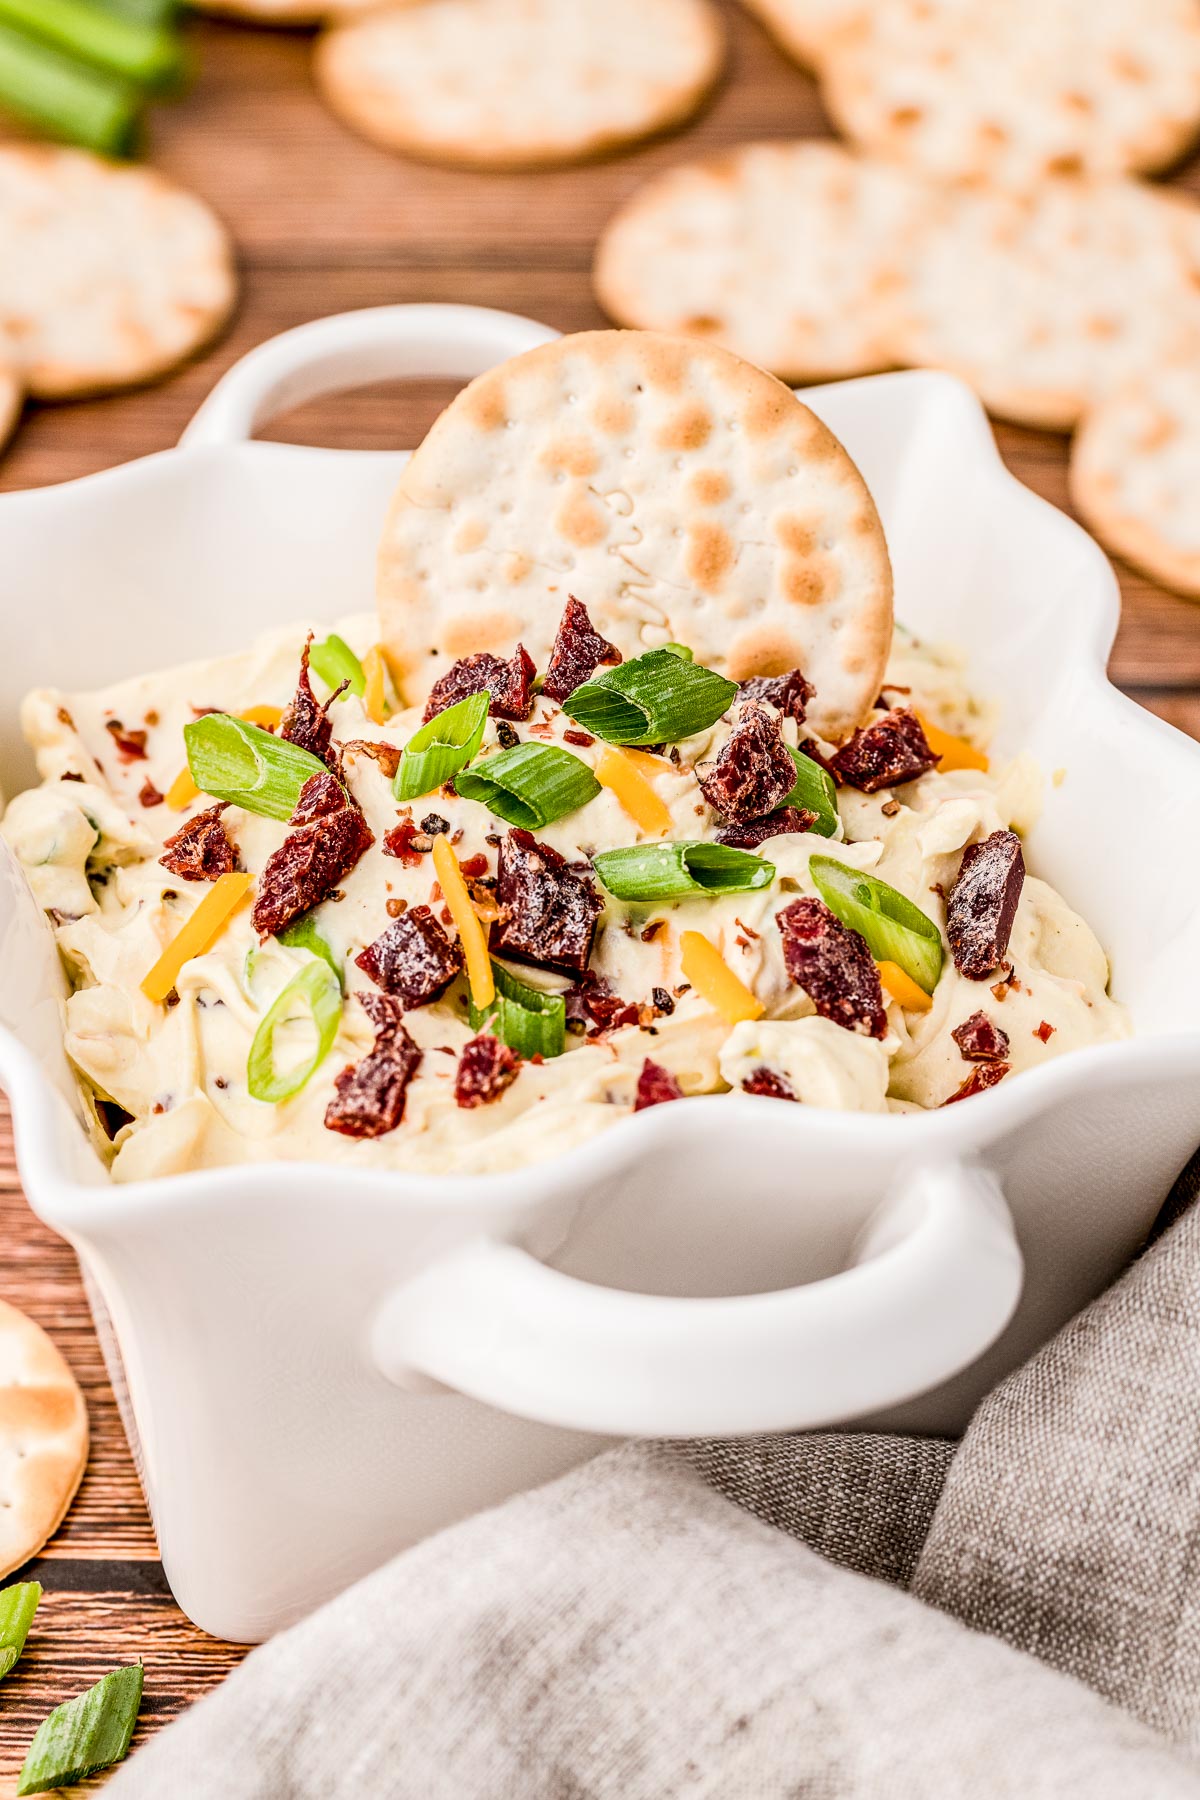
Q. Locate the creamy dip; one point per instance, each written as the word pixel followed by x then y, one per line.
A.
pixel 90 848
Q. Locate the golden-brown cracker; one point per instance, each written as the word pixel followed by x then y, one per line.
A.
pixel 43 1438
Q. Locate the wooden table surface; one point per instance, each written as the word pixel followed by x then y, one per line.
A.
pixel 324 223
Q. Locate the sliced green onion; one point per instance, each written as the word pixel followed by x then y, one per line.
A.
pixel 530 785
pixel 435 753
pixel 302 934
pixel 233 760
pixel 679 871
pixel 153 12
pixel 895 930
pixel 17 1607
pixel 814 790
pixel 334 661
pixel 315 991
pixel 65 98
pixel 655 699
pixel 138 51
pixel 528 1020
pixel 681 651
pixel 84 1735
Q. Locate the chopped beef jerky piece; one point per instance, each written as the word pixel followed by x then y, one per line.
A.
pixel 413 959
pixel 305 722
pixel 833 966
pixel 766 1081
pixel 655 1085
pixel 892 750
pixel 753 832
pixel 754 772
pixel 983 1076
pixel 791 693
pixel 592 1002
pixel 131 745
pixel 548 912
pixel 369 1097
pixel 510 684
pixel 577 654
pixel 982 904
pixel 330 838
pixel 386 755
pixel 201 850
pixel 149 794
pixel 485 1069
pixel 399 842
pixel 980 1039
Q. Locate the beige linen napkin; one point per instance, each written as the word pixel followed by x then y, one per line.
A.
pixel 629 1634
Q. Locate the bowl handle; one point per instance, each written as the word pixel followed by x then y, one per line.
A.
pixel 381 343
pixel 934 1282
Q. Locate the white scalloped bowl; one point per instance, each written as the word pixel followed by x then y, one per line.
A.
pixel 317 1367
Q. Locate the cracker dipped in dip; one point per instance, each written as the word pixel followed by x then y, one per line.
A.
pixel 454 889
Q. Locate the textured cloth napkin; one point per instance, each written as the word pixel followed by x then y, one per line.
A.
pixel 834 1615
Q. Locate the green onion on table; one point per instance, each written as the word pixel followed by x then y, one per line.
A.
pixel 82 70
pixel 84 1735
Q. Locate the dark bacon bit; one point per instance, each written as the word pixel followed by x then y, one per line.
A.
pixel 809 747
pixel 413 958
pixel 593 1001
pixel 548 912
pixel 890 808
pixel 581 739
pixel 791 693
pixel 305 722
pixel 753 832
pixel 655 1086
pixel 386 755
pixel 982 904
pixel 398 842
pixel 149 795
pixel 510 684
pixel 833 966
pixel 201 850
pixel 663 1002
pixel 983 1076
pixel 765 1081
pixel 577 654
pixel 131 745
pixel 369 1097
pixel 980 1039
pixel 486 1068
pixel 1044 1031
pixel 434 824
pixel 330 838
pixel 506 736
pixel 754 771
pixel 395 907
pixel 892 750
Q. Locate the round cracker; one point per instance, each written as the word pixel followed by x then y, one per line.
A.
pixel 284 12
pixel 1044 301
pixel 43 1438
pixel 12 394
pixel 789 254
pixel 1135 471
pixel 520 83
pixel 679 492
pixel 1012 90
pixel 110 275
pixel 805 28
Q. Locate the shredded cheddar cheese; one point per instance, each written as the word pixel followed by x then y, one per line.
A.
pixel 198 934
pixel 470 932
pixel 182 791
pixel 374 695
pixel 952 752
pixel 715 981
pixel 617 771
pixel 269 717
pixel 903 988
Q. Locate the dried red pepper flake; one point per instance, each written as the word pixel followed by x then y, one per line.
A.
pixel 413 958
pixel 330 838
pixel 980 1039
pixel 581 739
pixel 149 795
pixel 486 1069
pixel 769 1083
pixel 131 745
pixel 386 755
pixel 369 1095
pixel 1045 1031
pixel 548 911
pixel 578 652
pixel 789 693
pixel 982 904
pixel 834 967
pixel 752 832
pixel 983 1076
pixel 754 772
pixel 510 684
pixel 201 850
pixel 473 867
pixel 305 722
pixel 892 750
pixel 398 842
pixel 655 1086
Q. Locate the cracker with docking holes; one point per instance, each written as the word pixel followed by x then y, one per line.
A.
pixel 789 254
pixel 679 492
pixel 1135 472
pixel 12 394
pixel 520 83
pixel 43 1438
pixel 1014 91
pixel 805 28
pixel 110 275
